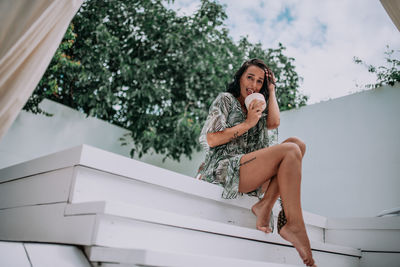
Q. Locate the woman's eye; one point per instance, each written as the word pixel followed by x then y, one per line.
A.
pixel 250 77
pixel 259 82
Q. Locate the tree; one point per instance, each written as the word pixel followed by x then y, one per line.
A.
pixel 53 85
pixel 140 66
pixel 385 75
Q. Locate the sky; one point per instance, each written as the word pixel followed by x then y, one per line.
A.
pixel 322 37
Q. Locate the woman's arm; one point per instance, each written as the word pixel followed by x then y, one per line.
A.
pixel 229 134
pixel 273 119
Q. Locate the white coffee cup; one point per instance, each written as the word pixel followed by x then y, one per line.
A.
pixel 253 96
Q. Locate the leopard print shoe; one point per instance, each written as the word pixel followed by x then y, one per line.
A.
pixel 281 220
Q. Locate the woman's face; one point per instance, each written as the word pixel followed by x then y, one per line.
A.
pixel 251 81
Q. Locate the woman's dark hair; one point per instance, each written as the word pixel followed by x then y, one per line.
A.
pixel 234 86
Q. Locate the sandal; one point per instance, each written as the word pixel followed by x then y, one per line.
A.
pixel 281 218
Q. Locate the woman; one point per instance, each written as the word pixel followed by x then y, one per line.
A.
pixel 239 158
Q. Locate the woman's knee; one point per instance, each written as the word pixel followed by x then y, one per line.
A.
pixel 292 149
pixel 298 142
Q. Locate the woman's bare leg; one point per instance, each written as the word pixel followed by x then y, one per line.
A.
pixel 262 209
pixel 283 160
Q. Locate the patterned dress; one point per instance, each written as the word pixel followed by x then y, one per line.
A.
pixel 221 164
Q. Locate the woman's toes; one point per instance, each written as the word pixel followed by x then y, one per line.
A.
pixel 264 229
pixel 267 230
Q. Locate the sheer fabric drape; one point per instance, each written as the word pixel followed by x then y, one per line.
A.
pixel 30 32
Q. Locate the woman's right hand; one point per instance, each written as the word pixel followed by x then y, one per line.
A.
pixel 254 112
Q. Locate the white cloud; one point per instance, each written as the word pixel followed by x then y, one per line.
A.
pixel 185 7
pixel 322 36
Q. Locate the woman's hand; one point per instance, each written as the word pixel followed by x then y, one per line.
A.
pixel 254 112
pixel 273 119
pixel 271 80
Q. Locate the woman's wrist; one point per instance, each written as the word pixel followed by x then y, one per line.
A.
pixel 246 125
pixel 271 89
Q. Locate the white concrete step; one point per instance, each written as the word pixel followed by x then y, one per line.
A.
pixel 117 227
pixel 18 254
pixel 86 174
pixel 103 256
pixel 142 229
pixel 13 254
pixel 145 214
pixel 46 223
pixel 378 238
pixel 358 233
pixel 84 190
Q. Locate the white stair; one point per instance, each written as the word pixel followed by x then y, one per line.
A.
pixel 18 254
pixel 127 212
pixel 378 238
pixel 134 257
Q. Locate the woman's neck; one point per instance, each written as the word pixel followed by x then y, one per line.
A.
pixel 241 101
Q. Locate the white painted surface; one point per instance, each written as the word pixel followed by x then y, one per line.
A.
pixel 373 240
pixel 350 169
pixel 92 185
pixel 352 164
pixel 90 182
pixel 188 222
pixel 381 234
pixel 186 199
pixel 12 254
pixel 158 258
pixel 374 259
pixel 45 223
pixel 51 255
pixel 383 223
pixel 50 187
pixel 119 232
pixel 54 161
pixel 131 181
pixel 113 163
pixel 32 136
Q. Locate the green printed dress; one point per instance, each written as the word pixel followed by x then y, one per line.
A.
pixel 221 164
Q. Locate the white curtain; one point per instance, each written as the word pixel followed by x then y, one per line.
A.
pixel 392 7
pixel 30 32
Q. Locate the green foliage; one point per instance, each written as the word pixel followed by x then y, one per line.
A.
pixel 56 81
pixel 385 75
pixel 140 66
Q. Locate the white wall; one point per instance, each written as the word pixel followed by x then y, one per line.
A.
pixel 351 167
pixel 32 136
pixel 352 164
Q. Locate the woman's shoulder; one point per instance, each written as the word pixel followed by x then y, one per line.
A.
pixel 225 94
pixel 225 97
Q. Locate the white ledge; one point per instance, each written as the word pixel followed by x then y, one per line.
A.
pixel 88 156
pixel 187 222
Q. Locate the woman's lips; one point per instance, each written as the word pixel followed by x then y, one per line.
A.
pixel 249 91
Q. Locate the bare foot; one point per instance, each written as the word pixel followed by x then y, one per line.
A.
pixel 262 210
pixel 297 235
